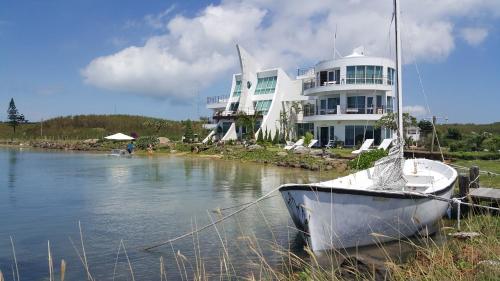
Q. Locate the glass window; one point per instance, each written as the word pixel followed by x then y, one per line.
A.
pixel 234 106
pixel 349 135
pixel 390 76
pixel 360 74
pixel 390 104
pixel 378 74
pixel 266 85
pixel 322 107
pixel 332 104
pixel 330 76
pixel 350 73
pixel 332 132
pixel 262 106
pixel 370 74
pixel 237 89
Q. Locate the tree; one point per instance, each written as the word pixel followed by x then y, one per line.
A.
pixel 276 138
pixel 454 134
pixel 260 137
pixel 13 115
pixel 247 121
pixel 188 131
pixel 425 127
pixel 269 137
pixel 389 121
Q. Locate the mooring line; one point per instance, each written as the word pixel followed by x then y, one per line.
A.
pixel 265 196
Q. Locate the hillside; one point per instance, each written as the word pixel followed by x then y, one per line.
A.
pixel 98 126
pixel 493 128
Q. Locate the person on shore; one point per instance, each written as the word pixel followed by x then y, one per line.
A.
pixel 150 149
pixel 130 147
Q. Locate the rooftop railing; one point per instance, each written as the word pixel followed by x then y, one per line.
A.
pixel 305 71
pixel 217 99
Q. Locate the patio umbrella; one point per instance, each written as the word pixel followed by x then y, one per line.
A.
pixel 119 136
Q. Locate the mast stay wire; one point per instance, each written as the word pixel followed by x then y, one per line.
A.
pixel 424 93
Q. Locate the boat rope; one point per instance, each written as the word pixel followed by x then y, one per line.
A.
pixel 265 196
pixel 217 210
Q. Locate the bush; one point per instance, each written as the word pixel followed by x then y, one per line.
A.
pixel 143 142
pixel 308 138
pixel 366 159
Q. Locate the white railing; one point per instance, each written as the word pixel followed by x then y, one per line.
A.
pixel 217 99
pixel 343 80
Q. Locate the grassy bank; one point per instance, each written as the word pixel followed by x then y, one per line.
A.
pixel 81 127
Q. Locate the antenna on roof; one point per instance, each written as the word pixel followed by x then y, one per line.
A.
pixel 335 52
pixel 334 41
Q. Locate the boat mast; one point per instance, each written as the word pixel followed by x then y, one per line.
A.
pixel 399 77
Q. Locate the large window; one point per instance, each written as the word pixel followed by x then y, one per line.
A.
pixel 390 104
pixel 303 128
pixel 234 106
pixel 390 76
pixel 332 105
pixel 364 74
pixel 357 134
pixel 351 77
pixel 237 89
pixel 356 104
pixel 266 85
pixel 262 106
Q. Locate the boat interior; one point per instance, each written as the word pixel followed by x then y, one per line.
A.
pixel 420 175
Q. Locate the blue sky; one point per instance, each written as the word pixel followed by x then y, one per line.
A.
pixel 66 57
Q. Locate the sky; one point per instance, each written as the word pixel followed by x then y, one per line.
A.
pixel 163 58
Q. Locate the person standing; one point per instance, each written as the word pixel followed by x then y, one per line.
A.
pixel 130 147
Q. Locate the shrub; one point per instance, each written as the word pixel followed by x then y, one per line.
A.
pixel 260 137
pixel 143 142
pixel 276 138
pixel 308 138
pixel 365 160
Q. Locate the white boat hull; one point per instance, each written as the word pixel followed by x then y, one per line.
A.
pixel 333 218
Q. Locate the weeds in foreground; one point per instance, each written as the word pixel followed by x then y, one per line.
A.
pixel 474 259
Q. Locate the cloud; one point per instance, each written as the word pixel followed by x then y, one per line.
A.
pixel 194 52
pixel 474 36
pixel 415 110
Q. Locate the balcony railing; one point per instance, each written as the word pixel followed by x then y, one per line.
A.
pixel 348 110
pixel 234 113
pixel 314 83
pixel 305 71
pixel 217 99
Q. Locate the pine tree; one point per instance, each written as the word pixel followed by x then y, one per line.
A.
pixel 13 115
pixel 276 138
pixel 260 137
pixel 265 135
pixel 269 137
pixel 188 133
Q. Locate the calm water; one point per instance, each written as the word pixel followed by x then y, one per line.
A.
pixel 141 200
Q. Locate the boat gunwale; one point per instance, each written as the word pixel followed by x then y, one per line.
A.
pixel 365 192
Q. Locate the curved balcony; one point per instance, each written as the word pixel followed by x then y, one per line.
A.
pixel 345 113
pixel 311 88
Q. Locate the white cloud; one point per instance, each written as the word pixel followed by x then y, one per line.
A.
pixel 415 110
pixel 195 51
pixel 474 36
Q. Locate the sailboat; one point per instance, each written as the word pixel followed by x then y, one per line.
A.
pixel 393 200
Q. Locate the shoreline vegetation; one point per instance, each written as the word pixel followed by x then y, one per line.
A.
pixel 476 258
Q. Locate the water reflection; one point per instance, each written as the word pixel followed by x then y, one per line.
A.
pixel 12 176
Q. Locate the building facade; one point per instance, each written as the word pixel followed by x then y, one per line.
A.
pixel 340 100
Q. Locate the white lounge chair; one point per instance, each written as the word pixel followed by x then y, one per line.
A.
pixel 385 144
pixel 364 147
pixel 312 143
pixel 298 143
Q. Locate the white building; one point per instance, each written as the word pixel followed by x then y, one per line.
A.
pixel 346 97
pixel 257 92
pixel 341 99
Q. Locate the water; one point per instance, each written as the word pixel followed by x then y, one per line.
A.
pixel 141 200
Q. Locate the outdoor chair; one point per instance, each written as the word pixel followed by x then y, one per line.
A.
pixel 364 147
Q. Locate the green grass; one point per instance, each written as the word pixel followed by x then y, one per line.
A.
pixel 484 165
pixel 81 127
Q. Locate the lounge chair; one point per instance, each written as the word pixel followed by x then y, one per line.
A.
pixel 364 147
pixel 298 143
pixel 312 143
pixel 385 144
